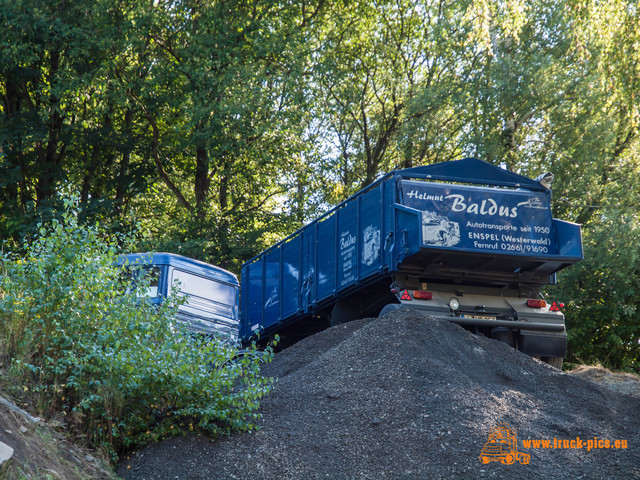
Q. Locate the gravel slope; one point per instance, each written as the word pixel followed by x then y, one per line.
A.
pixel 409 397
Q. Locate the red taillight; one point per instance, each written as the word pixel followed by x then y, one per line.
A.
pixel 405 295
pixel 422 295
pixel 556 306
pixel 536 303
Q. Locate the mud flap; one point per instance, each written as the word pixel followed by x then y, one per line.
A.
pixel 538 344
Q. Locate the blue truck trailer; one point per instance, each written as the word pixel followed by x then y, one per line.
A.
pixel 464 241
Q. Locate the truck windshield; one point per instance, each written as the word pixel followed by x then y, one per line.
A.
pixel 147 276
pixel 197 286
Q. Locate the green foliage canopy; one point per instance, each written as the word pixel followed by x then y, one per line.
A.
pixel 218 128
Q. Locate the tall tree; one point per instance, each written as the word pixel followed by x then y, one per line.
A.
pixel 219 86
pixel 390 77
pixel 62 128
pixel 41 70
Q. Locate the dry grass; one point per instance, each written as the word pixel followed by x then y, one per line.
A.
pixel 622 382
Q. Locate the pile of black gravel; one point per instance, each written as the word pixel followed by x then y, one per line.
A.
pixel 406 396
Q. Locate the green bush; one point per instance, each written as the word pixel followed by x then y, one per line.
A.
pixel 602 295
pixel 120 371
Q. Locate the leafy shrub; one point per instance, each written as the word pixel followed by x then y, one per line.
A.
pixel 121 371
pixel 602 295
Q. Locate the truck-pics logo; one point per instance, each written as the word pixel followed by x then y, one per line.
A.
pixel 502 446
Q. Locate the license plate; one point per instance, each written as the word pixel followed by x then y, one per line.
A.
pixel 478 317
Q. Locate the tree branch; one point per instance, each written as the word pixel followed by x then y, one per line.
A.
pixel 155 149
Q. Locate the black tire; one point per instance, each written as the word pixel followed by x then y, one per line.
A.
pixel 391 307
pixel 555 362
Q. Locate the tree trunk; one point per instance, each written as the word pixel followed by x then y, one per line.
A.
pixel 123 173
pixel 202 180
pixel 49 158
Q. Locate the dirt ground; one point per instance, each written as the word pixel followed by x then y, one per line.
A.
pixel 408 397
pixel 41 452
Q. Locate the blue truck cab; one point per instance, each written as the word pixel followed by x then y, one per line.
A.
pixel 211 293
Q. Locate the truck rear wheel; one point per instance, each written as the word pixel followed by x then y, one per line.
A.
pixel 555 362
pixel 391 307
